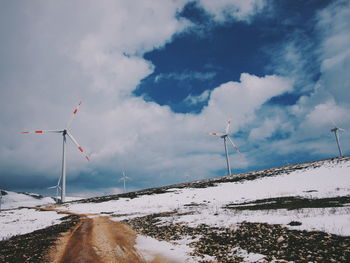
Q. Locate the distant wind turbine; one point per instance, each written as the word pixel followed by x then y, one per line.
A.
pixel 226 137
pixel 124 178
pixel 336 130
pixel 57 187
pixel 65 133
pixel 0 199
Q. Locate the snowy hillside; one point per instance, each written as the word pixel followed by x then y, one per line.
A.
pixel 302 193
pixel 297 213
pixel 13 200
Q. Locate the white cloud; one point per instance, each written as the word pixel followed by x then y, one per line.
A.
pixel 311 118
pixel 267 128
pixel 330 101
pixel 334 24
pixel 97 55
pixel 326 114
pixel 190 75
pixel 193 100
pixel 237 9
pixel 240 100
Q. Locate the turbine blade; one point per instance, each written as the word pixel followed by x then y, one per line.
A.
pixel 41 131
pixel 75 111
pixel 59 182
pixel 52 187
pixel 78 146
pixel 228 126
pixel 216 133
pixel 234 146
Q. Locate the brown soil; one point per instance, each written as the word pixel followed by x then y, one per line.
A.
pixel 98 240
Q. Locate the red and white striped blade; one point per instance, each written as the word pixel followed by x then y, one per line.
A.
pixel 41 131
pixel 228 126
pixel 78 146
pixel 235 146
pixel 75 111
pixel 216 133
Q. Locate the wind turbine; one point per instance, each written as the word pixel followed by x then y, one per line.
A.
pixel 64 133
pixel 336 130
pixel 0 198
pixel 124 178
pixel 58 188
pixel 226 137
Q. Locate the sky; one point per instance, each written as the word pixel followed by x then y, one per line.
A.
pixel 156 76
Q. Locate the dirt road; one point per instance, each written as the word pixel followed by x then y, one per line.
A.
pixel 97 239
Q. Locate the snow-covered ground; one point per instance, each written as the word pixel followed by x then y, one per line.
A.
pixel 21 221
pixel 13 200
pixel 211 206
pixel 208 204
pixel 152 249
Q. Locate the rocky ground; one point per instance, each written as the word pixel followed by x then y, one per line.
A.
pixel 33 247
pixel 276 242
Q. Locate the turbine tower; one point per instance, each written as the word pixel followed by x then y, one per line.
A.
pixel 124 178
pixel 226 137
pixel 65 132
pixel 336 130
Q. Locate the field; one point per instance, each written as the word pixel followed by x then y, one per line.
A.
pixel 296 213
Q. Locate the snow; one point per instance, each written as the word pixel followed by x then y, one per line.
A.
pixel 331 220
pixel 195 206
pixel 23 221
pixel 14 200
pixel 329 180
pixel 152 249
pixel 248 257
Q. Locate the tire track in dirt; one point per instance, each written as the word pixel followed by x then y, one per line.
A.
pixel 97 239
pixel 79 248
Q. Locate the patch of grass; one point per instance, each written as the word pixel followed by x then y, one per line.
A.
pixel 130 195
pixel 291 203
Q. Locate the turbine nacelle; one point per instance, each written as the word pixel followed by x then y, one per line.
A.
pixel 336 129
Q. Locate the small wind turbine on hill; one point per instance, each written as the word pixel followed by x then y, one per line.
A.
pixel 226 137
pixel 124 178
pixel 336 130
pixel 62 181
pixel 58 188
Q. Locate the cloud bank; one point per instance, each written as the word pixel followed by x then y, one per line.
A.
pixel 54 55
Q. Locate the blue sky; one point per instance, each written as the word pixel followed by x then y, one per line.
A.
pixel 213 51
pixel 156 76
